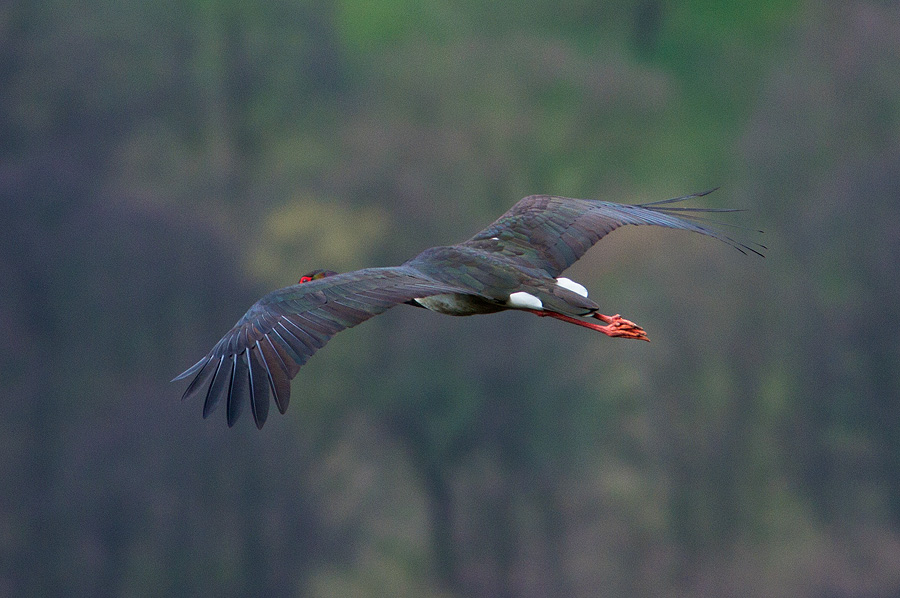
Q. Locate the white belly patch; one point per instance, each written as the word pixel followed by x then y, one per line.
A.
pixel 523 300
pixel 572 286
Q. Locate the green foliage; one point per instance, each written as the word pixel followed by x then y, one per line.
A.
pixel 333 236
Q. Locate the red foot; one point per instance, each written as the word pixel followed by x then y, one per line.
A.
pixel 619 326
pixel 616 326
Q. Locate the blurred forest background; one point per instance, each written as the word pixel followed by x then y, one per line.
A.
pixel 163 164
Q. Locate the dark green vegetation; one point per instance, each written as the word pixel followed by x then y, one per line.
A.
pixel 163 164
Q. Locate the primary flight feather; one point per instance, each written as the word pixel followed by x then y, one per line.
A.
pixel 514 263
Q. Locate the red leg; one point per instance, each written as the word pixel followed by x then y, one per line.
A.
pixel 615 325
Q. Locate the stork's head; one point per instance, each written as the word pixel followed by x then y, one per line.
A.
pixel 316 275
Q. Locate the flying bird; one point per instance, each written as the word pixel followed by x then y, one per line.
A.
pixel 515 263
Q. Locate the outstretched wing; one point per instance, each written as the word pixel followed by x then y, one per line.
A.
pixel 551 233
pixel 276 336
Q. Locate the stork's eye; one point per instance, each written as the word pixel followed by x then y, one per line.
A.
pixel 316 275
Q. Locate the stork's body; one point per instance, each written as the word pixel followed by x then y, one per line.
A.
pixel 505 285
pixel 513 264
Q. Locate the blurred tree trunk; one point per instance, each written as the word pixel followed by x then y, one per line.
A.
pixel 439 498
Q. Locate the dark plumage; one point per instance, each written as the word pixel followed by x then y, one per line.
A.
pixel 512 264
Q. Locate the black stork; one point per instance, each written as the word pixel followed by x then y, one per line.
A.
pixel 515 263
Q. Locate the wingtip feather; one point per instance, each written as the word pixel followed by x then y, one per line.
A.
pixel 239 387
pixel 259 386
pixel 216 387
pixel 191 370
pixel 678 199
